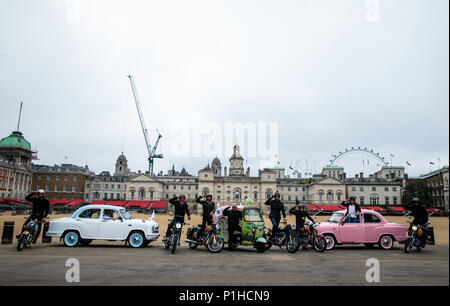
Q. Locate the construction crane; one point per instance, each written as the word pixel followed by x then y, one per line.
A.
pixel 151 150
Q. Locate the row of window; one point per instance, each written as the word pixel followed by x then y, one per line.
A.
pixel 189 187
pixel 66 178
pixel 106 196
pixel 56 188
pixel 107 186
pixel 361 188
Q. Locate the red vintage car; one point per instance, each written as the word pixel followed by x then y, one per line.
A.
pixel 372 229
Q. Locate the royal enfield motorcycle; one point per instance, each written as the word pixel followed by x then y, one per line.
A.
pixel 210 238
pixel 28 235
pixel 285 236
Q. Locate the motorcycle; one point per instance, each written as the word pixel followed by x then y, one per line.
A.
pixel 310 236
pixel 210 238
pixel 416 236
pixel 174 238
pixel 285 236
pixel 28 235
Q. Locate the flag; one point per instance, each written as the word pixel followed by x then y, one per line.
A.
pixel 367 161
pixel 408 163
pixel 431 163
pixel 363 161
pixel 392 155
pixel 291 168
pixel 439 159
pixel 278 162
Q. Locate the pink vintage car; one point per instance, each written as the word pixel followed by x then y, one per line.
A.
pixel 372 229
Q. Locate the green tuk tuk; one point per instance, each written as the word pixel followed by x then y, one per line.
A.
pixel 252 225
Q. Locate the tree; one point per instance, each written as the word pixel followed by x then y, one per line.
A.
pixel 418 189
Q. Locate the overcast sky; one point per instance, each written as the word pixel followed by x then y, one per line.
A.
pixel 331 77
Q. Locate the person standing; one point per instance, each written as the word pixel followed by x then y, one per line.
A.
pixel 208 210
pixel 300 215
pixel 276 209
pixel 353 211
pixel 234 216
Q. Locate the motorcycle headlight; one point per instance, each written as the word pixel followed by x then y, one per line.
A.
pixel 293 226
pixel 178 225
pixel 414 228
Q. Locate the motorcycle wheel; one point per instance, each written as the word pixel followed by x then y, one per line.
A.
pixel 268 245
pixel 215 247
pixel 419 248
pixel 193 245
pixel 319 244
pixel 174 243
pixel 260 247
pixel 21 243
pixel 292 245
pixel 408 245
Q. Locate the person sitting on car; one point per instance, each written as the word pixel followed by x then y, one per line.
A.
pixel 300 215
pixel 353 211
pixel 181 209
pixel 234 216
pixel 108 214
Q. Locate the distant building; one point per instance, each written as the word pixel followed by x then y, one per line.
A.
pixel 64 182
pixel 15 166
pixel 436 183
pixel 105 186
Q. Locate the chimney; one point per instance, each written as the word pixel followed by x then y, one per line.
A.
pixel 225 171
pixel 248 171
pixel 361 175
pixel 344 175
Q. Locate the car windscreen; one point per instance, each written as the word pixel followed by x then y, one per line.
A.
pixel 253 215
pixel 336 217
pixel 125 214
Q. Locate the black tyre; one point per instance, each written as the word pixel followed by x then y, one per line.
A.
pixel 386 242
pixel 174 243
pixel 268 245
pixel 319 244
pixel 330 242
pixel 408 245
pixel 215 245
pixel 292 245
pixel 21 243
pixel 193 245
pixel 136 239
pixel 71 239
pixel 260 247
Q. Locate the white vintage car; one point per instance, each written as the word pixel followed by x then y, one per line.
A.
pixel 103 222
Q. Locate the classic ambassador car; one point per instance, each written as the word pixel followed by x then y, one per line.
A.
pixel 103 222
pixel 372 229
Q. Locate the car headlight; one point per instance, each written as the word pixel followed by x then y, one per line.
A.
pixel 414 228
pixel 155 227
pixel 178 225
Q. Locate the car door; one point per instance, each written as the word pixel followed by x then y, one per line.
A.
pixel 111 227
pixel 351 232
pixel 88 222
pixel 372 226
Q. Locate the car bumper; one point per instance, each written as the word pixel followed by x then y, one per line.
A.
pixel 152 237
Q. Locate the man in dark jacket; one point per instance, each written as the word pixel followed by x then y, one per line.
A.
pixel 208 210
pixel 353 211
pixel 181 208
pixel 276 209
pixel 300 215
pixel 41 207
pixel 420 215
pixel 234 216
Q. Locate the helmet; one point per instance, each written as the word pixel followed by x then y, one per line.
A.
pixel 41 191
pixel 415 200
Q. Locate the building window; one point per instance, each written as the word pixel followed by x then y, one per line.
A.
pixel 56 187
pixel 394 188
pixel 386 188
pixel 353 188
pixel 74 188
pixel 374 188
pixel 57 177
pixel 361 188
pixel 142 193
pixel 386 200
pixel 132 194
pixel 74 178
pixel 373 200
pixel 330 196
pixel 66 177
pixel 39 177
pixel 361 200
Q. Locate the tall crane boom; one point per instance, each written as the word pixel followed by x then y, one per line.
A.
pixel 151 151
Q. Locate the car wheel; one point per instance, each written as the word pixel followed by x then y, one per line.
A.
pixel 71 238
pixel 386 242
pixel 260 247
pixel 331 241
pixel 136 240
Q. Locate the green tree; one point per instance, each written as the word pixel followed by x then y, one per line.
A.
pixel 419 190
